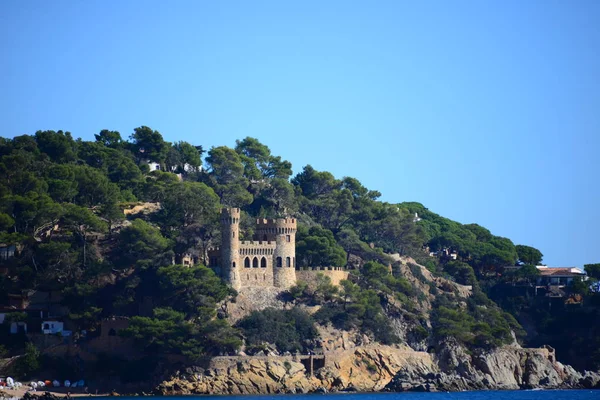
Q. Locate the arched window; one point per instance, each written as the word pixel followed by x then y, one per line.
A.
pixel 263 263
pixel 288 262
pixel 279 265
pixel 233 264
pixel 233 234
pixel 255 263
pixel 247 262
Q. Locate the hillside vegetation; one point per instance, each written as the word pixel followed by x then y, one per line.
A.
pixel 62 202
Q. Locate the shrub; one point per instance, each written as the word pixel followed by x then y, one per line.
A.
pixel 289 330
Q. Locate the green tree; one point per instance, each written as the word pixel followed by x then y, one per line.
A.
pixel 81 221
pixel 227 175
pixel 529 255
pixel 193 290
pixel 187 154
pixel 186 203
pixel 94 187
pixel 32 213
pixel 324 289
pixel 316 247
pixel 258 161
pixel 528 272
pixel 149 144
pixel 62 186
pixel 141 245
pixel 29 363
pixel 593 270
pixel 289 330
pixel 59 146
pixel 109 138
pixel 280 195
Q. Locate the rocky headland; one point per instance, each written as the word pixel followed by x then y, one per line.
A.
pixel 375 367
pixel 350 361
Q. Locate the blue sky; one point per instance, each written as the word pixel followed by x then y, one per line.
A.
pixel 484 111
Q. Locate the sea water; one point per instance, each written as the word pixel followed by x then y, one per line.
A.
pixel 479 395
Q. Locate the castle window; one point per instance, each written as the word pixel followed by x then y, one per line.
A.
pixel 255 263
pixel 233 234
pixel 247 262
pixel 263 263
pixel 288 238
pixel 279 262
pixel 288 262
pixel 233 264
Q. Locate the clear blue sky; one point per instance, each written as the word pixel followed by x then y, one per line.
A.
pixel 484 111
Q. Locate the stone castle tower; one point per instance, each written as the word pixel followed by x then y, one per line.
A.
pixel 230 245
pixel 267 261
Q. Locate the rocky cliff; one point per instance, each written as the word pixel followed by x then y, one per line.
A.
pixel 375 367
pixel 351 361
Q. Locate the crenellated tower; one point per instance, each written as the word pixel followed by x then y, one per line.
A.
pixel 230 246
pixel 282 231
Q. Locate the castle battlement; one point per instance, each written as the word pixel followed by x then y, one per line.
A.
pixel 257 243
pixel 320 269
pixel 263 223
pixel 230 215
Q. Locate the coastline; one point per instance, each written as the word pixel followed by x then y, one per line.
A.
pixel 57 392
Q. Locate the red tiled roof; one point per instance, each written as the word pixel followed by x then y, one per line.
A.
pixel 558 271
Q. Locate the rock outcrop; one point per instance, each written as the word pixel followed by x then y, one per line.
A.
pixel 506 368
pixel 384 368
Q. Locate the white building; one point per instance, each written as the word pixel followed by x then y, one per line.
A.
pixel 563 276
pixel 154 166
pixel 52 327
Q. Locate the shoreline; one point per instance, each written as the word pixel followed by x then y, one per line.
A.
pixel 58 392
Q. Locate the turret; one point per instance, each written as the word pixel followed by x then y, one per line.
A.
pixel 283 233
pixel 230 246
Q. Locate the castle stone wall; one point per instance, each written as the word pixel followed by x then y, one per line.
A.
pixel 256 277
pixel 309 275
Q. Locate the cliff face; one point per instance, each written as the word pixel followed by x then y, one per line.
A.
pixel 364 368
pixel 383 368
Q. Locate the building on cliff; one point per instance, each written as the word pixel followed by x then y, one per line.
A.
pixel 267 261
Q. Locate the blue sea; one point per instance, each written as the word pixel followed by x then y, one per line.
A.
pixel 480 395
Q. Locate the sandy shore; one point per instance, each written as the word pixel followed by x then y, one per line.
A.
pixel 60 391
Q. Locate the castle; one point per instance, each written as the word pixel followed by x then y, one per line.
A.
pixel 269 260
